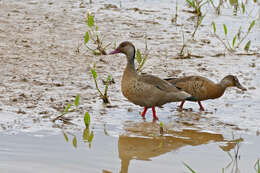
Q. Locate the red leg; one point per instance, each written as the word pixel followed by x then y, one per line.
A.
pixel 154 113
pixel 201 107
pixel 144 112
pixel 181 105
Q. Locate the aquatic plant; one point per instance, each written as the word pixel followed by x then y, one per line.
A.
pixel 104 95
pixel 237 39
pixel 196 5
pixel 74 140
pixel 217 8
pixel 175 16
pixel 257 166
pixel 96 37
pixel 68 109
pixel 142 59
pixel 87 137
pixel 161 128
pixel 187 166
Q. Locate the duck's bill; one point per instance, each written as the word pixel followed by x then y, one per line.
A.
pixel 241 87
pixel 114 52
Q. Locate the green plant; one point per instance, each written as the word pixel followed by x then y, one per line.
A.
pixel 96 37
pixel 237 39
pixel 142 59
pixel 257 166
pixel 161 128
pixel 175 16
pixel 217 8
pixel 187 166
pixel 67 109
pixel 196 5
pixel 87 137
pixel 103 96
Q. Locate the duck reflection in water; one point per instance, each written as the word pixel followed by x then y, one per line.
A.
pixel 149 146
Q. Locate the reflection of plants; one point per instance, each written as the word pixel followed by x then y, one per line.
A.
pixel 103 96
pixel 74 140
pixel 87 137
pixel 142 59
pixel 237 39
pixel 234 159
pixel 96 37
pixel 67 109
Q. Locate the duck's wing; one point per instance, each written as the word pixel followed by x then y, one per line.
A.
pixel 197 86
pixel 157 82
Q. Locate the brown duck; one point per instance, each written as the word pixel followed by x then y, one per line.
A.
pixel 203 88
pixel 146 90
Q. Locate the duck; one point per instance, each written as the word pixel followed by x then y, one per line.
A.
pixel 203 89
pixel 146 90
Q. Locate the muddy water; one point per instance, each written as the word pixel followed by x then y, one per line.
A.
pixel 43 66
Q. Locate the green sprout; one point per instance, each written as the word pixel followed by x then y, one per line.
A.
pixel 86 136
pixel 161 128
pixel 68 109
pixel 87 119
pixel 142 59
pixel 237 39
pixel 103 96
pixel 96 37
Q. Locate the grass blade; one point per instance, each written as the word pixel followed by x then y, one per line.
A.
pixel 94 73
pixel 225 29
pixel 214 27
pixel 247 46
pixel 243 8
pixel 258 166
pixel 187 166
pixel 86 38
pixel 87 119
pixel 138 56
pixel 67 109
pixel 90 20
pixel 76 102
pixel 251 25
pixel 234 41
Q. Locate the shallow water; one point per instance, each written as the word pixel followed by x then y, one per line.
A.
pixel 204 152
pixel 43 67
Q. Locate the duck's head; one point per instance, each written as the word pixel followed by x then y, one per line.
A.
pixel 126 48
pixel 232 81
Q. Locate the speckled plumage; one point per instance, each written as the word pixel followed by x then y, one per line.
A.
pixel 146 90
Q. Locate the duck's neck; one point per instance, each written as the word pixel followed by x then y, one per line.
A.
pixel 224 83
pixel 222 86
pixel 130 67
